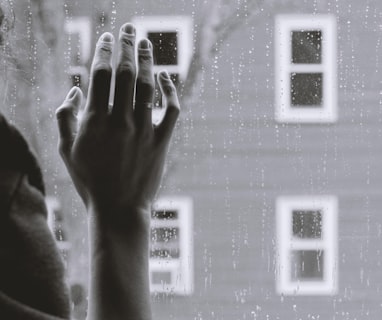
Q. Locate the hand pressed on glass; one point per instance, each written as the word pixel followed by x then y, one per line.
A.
pixel 115 157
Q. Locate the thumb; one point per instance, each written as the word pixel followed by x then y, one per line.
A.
pixel 66 116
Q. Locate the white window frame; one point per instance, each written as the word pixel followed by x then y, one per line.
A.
pixel 286 243
pixel 181 269
pixel 82 27
pixel 284 25
pixel 183 25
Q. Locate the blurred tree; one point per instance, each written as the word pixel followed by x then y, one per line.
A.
pixel 32 76
pixel 218 21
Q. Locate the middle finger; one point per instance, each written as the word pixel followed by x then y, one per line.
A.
pixel 125 74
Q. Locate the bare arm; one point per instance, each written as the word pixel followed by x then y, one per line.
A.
pixel 115 157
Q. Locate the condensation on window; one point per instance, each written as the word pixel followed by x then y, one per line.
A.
pixel 230 153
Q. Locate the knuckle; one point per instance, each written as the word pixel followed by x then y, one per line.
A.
pixel 145 58
pixel 124 124
pixel 169 90
pixel 126 40
pixel 92 118
pixel 104 49
pixel 126 69
pixel 61 112
pixel 64 111
pixel 174 110
pixel 102 69
pixel 146 134
pixel 145 84
pixel 101 72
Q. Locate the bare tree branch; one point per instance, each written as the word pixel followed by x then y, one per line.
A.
pixel 220 19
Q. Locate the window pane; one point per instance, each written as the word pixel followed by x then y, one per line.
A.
pixel 307 265
pixel 306 46
pixel 60 233
pixel 164 214
pixel 164 234
pixel 165 243
pixel 165 47
pixel 161 277
pixel 76 80
pixel 307 224
pixel 306 89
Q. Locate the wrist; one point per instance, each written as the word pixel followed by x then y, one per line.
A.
pixel 119 216
pixel 125 228
pixel 119 262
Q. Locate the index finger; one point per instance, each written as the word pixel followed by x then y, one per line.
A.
pixel 100 75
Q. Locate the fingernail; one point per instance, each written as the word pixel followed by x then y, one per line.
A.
pixel 164 74
pixel 145 44
pixel 128 28
pixel 107 37
pixel 72 93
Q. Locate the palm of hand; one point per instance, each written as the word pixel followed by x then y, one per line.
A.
pixel 115 155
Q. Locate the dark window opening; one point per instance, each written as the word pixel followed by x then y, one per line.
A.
pixel 59 233
pixel 76 80
pixel 165 47
pixel 164 214
pixel 307 224
pixel 168 253
pixel 306 46
pixel 164 234
pixel 306 89
pixel 165 243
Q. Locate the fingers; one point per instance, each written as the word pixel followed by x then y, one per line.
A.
pixel 66 116
pixel 167 87
pixel 145 86
pixel 100 75
pixel 125 74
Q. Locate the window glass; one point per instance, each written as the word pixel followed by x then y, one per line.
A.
pixel 270 204
pixel 165 243
pixel 161 278
pixel 165 47
pixel 306 46
pixel 306 89
pixel 307 265
pixel 307 224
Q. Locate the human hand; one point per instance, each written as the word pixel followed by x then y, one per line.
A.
pixel 114 154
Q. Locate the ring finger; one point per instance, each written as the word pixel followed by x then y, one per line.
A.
pixel 145 86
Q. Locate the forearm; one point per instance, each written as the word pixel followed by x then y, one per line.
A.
pixel 119 257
